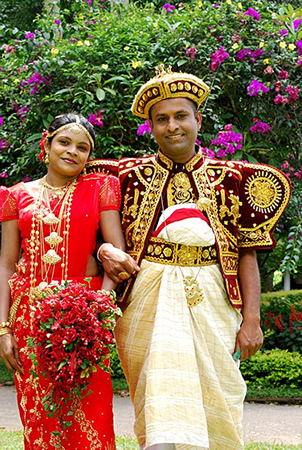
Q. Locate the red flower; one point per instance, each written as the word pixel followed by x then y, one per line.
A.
pixel 70 338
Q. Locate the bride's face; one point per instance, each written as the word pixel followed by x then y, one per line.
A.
pixel 68 153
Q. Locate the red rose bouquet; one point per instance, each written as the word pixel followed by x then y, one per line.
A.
pixel 70 338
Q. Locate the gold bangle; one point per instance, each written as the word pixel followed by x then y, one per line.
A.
pixel 5 331
pixel 111 294
pixel 5 325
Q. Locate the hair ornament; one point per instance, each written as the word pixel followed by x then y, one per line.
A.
pixel 42 153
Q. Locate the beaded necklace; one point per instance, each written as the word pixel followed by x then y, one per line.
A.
pixel 57 239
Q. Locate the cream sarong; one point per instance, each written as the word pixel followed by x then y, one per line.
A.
pixel 184 384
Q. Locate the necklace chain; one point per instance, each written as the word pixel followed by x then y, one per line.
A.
pixel 58 227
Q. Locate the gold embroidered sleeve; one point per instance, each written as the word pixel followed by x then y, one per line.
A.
pixel 110 194
pixel 264 195
pixel 8 204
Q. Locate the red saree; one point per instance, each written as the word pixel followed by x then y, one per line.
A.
pixel 92 423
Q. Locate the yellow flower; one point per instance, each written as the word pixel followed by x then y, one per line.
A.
pixel 155 24
pixel 282 44
pixel 266 61
pixel 292 46
pixel 199 4
pixel 136 64
pixel 261 44
pixel 87 43
pixel 187 45
pixel 54 51
pixel 235 46
pixel 105 66
pixel 16 80
pixel 126 48
pixel 228 2
pixel 239 5
pixel 81 16
pixel 79 43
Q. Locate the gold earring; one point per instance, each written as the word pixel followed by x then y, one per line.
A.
pixel 46 158
pixel 84 171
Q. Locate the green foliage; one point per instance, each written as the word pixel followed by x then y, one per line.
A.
pixel 281 323
pixel 97 58
pixel 5 374
pixel 295 296
pixel 283 393
pixel 117 371
pixel 275 368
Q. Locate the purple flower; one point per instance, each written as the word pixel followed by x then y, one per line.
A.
pixel 191 51
pixel 218 57
pixel 260 127
pixel 255 88
pixel 283 32
pixel 293 92
pixel 57 22
pixel 197 141
pixel 221 153
pixel 228 141
pixel 144 129
pixel 299 46
pixel 297 23
pixel 26 179
pixel 4 144
pixel 280 99
pixel 255 55
pixel 35 82
pixel 3 175
pixel 299 62
pixel 243 54
pixel 169 8
pixel 1 121
pixel 97 119
pixel 252 13
pixel 283 75
pixel 208 152
pixel 30 35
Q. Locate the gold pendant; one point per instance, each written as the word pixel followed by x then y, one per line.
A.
pixel 194 294
pixel 41 290
pixel 53 239
pixel 51 257
pixel 50 219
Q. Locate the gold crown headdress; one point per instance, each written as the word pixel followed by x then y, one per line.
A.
pixel 165 85
pixel 76 127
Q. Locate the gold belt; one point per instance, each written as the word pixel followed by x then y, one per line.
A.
pixel 164 252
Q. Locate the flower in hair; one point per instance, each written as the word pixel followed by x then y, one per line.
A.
pixel 42 153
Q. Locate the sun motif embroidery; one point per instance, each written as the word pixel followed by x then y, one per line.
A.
pixel 263 191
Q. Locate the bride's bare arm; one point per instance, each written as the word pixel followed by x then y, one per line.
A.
pixel 112 255
pixel 10 253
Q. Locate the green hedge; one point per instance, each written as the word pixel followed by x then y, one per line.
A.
pixel 273 369
pixel 281 320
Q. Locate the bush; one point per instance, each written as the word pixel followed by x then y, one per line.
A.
pixel 281 321
pixel 273 369
pixel 117 371
pixel 93 60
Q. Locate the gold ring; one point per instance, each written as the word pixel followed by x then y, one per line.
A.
pixel 123 275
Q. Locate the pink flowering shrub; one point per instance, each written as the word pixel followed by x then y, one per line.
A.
pixel 92 58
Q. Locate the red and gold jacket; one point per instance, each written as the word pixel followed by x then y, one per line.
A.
pixel 246 202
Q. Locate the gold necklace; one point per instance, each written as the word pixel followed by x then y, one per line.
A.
pixel 193 292
pixel 58 227
pixel 54 188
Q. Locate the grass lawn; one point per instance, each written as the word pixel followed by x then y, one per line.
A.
pixel 13 440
